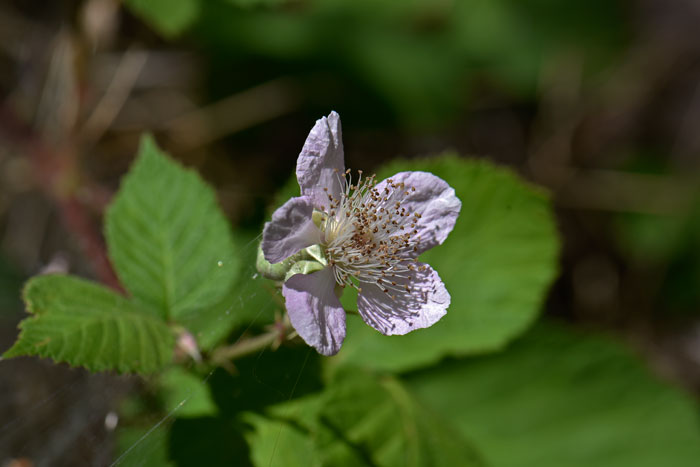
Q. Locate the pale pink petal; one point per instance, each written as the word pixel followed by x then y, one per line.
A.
pixel 420 307
pixel 315 311
pixel 432 198
pixel 290 230
pixel 321 162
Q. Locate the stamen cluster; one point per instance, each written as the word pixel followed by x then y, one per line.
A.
pixel 369 234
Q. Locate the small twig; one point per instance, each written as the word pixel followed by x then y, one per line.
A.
pixel 77 219
pixel 54 171
pixel 244 347
pixel 234 113
pixel 117 93
pixel 608 190
pixel 278 332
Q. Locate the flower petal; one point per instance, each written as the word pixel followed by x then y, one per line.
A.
pixel 290 230
pixel 434 200
pixel 315 311
pixel 321 162
pixel 421 307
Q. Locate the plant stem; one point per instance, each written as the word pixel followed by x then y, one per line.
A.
pixel 244 347
pixel 56 171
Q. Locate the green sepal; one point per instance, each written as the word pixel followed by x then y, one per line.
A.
pixel 272 271
pixel 283 270
pixel 303 267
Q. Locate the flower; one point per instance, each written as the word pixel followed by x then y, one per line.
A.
pixel 370 233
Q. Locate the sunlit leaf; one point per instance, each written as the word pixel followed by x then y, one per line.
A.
pixel 249 301
pixel 558 398
pixel 497 264
pixel 168 239
pixel 82 323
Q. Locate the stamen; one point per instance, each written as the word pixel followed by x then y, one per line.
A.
pixel 362 238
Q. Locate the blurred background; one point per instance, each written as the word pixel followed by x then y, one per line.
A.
pixel 598 101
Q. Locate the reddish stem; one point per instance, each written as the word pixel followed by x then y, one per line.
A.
pixel 55 170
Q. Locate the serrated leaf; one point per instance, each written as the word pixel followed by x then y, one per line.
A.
pixel 559 398
pixel 497 265
pixel 249 300
pixel 380 423
pixel 82 323
pixel 167 237
pixel 168 17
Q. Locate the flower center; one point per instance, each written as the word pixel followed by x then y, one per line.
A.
pixel 370 235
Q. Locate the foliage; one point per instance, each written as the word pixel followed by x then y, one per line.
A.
pixel 172 248
pixel 380 423
pixel 184 391
pixel 83 323
pixel 421 59
pixel 248 300
pixel 556 397
pixel 497 263
pixel 168 239
pixel 548 397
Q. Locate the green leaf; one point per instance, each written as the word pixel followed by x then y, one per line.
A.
pixel 251 300
pixel 559 398
pixel 167 237
pixel 168 17
pixel 82 323
pixel 380 423
pixel 143 446
pixel 187 393
pixel 276 442
pixel 358 420
pixel 497 265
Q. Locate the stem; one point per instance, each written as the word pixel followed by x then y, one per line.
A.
pixel 76 219
pixel 244 347
pixel 55 169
